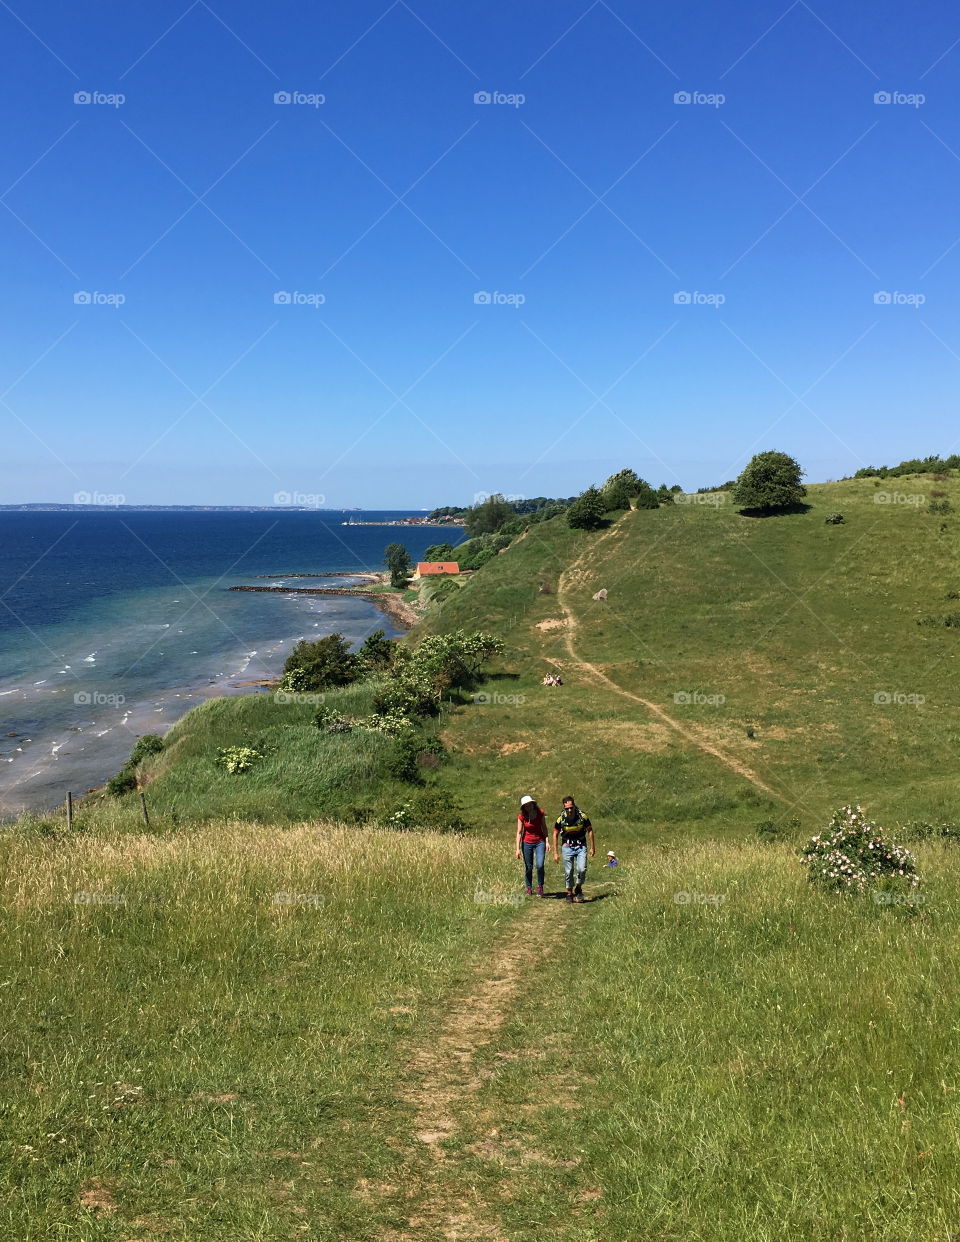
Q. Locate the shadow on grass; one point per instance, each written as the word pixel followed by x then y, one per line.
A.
pixel 779 511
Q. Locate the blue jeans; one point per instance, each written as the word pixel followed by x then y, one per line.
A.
pixel 533 852
pixel 574 864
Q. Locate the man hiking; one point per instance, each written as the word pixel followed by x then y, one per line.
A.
pixel 531 842
pixel 570 834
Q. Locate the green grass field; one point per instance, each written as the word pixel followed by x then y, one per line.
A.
pixel 258 1022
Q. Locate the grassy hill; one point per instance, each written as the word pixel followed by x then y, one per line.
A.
pixel 788 645
pixel 266 1019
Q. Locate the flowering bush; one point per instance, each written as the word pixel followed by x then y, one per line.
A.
pixel 238 758
pixel 329 721
pixel 391 722
pixel 850 855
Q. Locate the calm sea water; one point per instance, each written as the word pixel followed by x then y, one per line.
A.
pixel 115 624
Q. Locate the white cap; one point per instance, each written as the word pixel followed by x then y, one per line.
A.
pixel 611 854
pixel 525 799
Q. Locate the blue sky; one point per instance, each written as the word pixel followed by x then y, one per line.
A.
pixel 687 216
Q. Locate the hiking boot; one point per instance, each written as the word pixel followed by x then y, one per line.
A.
pixel 528 890
pixel 570 896
pixel 539 890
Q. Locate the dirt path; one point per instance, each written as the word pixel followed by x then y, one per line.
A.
pixel 444 1080
pixel 576 575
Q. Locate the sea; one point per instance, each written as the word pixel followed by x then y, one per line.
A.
pixel 114 623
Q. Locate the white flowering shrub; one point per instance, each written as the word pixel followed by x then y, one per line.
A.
pixel 238 758
pixel 851 856
pixel 392 723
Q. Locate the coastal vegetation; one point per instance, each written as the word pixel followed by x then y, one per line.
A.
pixel 303 1001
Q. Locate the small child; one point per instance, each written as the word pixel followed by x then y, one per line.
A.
pixel 612 859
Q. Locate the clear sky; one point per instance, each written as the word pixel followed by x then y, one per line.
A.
pixel 682 215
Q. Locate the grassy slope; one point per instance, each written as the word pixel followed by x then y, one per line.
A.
pixel 796 623
pixel 778 1066
pixel 201 1057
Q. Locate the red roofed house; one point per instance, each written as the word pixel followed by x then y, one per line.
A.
pixel 424 568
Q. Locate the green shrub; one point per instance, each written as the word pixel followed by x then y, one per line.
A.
pixel 429 809
pixel 321 664
pixel 402 762
pixel 329 721
pixel 122 783
pixel 851 856
pixel 920 830
pixel 835 519
pixel 940 506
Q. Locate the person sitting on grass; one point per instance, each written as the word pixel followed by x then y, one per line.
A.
pixel 570 833
pixel 532 842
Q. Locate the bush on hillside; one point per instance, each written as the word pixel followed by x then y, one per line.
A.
pixel 940 506
pixel 770 481
pixel 835 519
pixel 238 758
pixel 852 856
pixel 376 652
pixel 920 830
pixel 586 512
pixel 430 810
pixel 329 721
pixel 321 664
pixel 126 779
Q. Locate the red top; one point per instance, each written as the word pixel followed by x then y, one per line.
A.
pixel 533 829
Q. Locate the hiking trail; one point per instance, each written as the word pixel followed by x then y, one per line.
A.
pixel 443 1081
pixel 575 575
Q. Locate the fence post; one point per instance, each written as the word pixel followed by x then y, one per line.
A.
pixel 143 803
pixel 69 812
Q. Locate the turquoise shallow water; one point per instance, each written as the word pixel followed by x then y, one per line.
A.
pixel 114 624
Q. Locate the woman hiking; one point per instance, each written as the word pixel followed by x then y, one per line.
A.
pixel 531 842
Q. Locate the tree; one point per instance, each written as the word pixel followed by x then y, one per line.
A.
pixel 487 517
pixel 376 653
pixel 440 552
pixel 586 512
pixel 770 481
pixel 664 494
pixel 616 492
pixel 322 664
pixel 397 560
pixel 646 497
